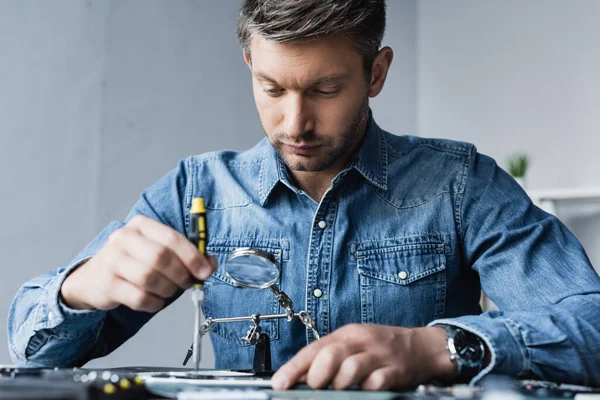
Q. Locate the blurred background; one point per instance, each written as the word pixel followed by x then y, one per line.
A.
pixel 100 98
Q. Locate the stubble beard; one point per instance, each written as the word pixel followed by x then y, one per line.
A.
pixel 348 140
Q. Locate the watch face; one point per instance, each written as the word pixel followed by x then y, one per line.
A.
pixel 469 348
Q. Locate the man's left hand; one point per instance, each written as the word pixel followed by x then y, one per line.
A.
pixel 376 357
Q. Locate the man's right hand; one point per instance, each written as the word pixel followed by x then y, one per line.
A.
pixel 141 265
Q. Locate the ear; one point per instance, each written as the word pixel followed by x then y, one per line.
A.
pixel 248 60
pixel 381 66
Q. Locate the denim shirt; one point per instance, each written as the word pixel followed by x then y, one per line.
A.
pixel 407 235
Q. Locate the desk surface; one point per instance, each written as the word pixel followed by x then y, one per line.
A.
pixel 83 384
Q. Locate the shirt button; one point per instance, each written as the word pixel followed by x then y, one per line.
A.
pixel 50 315
pixel 402 275
pixel 322 224
pixel 317 293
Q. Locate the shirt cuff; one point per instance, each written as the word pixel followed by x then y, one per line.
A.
pixel 54 314
pixel 502 337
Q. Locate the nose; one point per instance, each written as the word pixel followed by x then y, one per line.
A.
pixel 297 120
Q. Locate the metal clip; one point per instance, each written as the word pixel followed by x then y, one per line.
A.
pixel 284 301
pixel 205 327
pixel 310 323
pixel 254 331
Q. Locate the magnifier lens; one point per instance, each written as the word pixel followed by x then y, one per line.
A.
pixel 252 268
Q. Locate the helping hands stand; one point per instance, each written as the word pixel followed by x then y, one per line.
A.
pixel 254 335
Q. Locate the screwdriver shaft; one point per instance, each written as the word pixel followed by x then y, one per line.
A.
pixel 197 299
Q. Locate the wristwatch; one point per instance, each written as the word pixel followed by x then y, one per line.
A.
pixel 467 350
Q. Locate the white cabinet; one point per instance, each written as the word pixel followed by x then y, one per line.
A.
pixel 548 199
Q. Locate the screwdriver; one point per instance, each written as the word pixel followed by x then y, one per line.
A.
pixel 198 235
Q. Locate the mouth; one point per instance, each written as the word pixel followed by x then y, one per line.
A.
pixel 303 150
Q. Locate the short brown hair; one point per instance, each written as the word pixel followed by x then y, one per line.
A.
pixel 362 21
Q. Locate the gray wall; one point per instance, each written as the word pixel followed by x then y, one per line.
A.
pixel 513 76
pixel 99 98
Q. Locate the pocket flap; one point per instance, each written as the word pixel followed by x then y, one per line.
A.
pixel 401 261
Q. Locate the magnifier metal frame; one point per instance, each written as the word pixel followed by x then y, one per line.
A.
pixel 248 251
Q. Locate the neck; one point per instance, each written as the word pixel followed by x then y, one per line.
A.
pixel 315 184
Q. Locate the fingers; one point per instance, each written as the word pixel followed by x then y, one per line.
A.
pixel 146 278
pixel 142 264
pixel 327 362
pixel 354 369
pixel 317 363
pixel 195 262
pixel 381 379
pixel 376 357
pixel 155 256
pixel 134 297
pixel 293 370
pixel 338 363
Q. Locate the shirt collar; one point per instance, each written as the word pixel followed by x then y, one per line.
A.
pixel 272 171
pixel 371 162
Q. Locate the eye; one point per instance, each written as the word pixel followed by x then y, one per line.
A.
pixel 273 91
pixel 327 92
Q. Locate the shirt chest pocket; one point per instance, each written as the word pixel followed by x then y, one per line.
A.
pixel 224 299
pixel 402 281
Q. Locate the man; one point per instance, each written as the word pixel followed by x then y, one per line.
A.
pixel 385 240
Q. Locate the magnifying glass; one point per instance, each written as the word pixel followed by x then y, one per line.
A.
pixel 252 268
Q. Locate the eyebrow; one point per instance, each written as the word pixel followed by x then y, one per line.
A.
pixel 319 81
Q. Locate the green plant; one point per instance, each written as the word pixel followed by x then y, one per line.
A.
pixel 517 165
